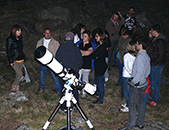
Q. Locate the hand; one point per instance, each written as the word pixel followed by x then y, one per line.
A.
pixel 119 14
pixel 12 64
pixel 130 84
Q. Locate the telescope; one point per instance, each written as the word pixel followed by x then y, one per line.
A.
pixel 44 56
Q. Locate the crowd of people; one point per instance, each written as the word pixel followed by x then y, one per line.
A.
pixel 140 61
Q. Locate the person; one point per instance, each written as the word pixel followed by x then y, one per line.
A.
pixel 108 47
pixel 70 56
pixel 113 27
pixel 130 21
pixel 157 52
pixel 86 49
pixel 15 54
pixel 78 31
pixel 100 65
pixel 128 61
pixel 138 84
pixel 52 45
pixel 122 43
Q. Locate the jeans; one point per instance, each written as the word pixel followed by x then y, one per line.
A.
pixel 126 89
pixel 106 73
pixel 136 97
pixel 120 67
pixel 112 53
pixel 100 85
pixel 155 82
pixel 43 70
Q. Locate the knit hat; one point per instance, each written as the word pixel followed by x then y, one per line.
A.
pixel 69 36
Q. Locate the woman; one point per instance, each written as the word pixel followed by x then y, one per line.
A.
pixel 86 49
pixel 15 54
pixel 100 65
pixel 128 61
pixel 78 31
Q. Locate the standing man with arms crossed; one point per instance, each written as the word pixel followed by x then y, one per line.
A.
pixel 138 84
pixel 52 45
pixel 157 53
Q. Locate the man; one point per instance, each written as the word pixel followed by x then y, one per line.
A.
pixel 157 53
pixel 52 45
pixel 113 27
pixel 138 83
pixel 130 21
pixel 70 56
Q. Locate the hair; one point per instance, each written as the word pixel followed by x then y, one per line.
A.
pixel 131 8
pixel 78 28
pixel 115 13
pixel 124 31
pixel 130 48
pixel 143 41
pixel 47 29
pixel 15 28
pixel 156 27
pixel 88 33
pixel 101 33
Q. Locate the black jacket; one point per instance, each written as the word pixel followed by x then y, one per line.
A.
pixel 70 56
pixel 157 52
pixel 99 56
pixel 14 49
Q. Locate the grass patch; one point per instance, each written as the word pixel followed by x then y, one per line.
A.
pixel 48 98
pixel 108 117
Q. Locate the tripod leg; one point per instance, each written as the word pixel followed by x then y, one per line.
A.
pixel 88 122
pixel 45 127
pixel 68 119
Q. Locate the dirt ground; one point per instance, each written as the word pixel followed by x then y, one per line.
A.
pixel 38 109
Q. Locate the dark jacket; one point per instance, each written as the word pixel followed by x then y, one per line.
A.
pixel 157 51
pixel 14 49
pixel 99 56
pixel 70 56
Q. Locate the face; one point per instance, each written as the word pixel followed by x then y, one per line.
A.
pixel 47 34
pixel 97 37
pixel 150 34
pixel 85 37
pixel 153 32
pixel 115 17
pixel 131 11
pixel 18 33
pixel 137 46
pixel 82 30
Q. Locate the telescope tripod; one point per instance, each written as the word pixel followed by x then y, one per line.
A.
pixel 68 97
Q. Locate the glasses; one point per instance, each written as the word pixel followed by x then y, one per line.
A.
pixel 96 36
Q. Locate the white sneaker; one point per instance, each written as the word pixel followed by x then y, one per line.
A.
pixel 125 109
pixel 83 95
pixel 123 105
pixel 106 79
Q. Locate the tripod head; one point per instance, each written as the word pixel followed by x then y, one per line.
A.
pixel 44 56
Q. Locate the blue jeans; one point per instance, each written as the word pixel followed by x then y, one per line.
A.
pixel 155 82
pixel 43 70
pixel 120 67
pixel 126 89
pixel 100 85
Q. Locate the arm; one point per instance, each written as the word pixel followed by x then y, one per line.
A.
pixel 9 43
pixel 88 52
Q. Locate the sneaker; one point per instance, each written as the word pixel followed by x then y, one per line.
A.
pixel 83 95
pixel 40 91
pixel 123 105
pixel 152 104
pixel 106 79
pixel 137 127
pixel 125 109
pixel 97 103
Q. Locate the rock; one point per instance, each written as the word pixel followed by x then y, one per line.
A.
pixel 78 120
pixel 115 109
pixel 24 127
